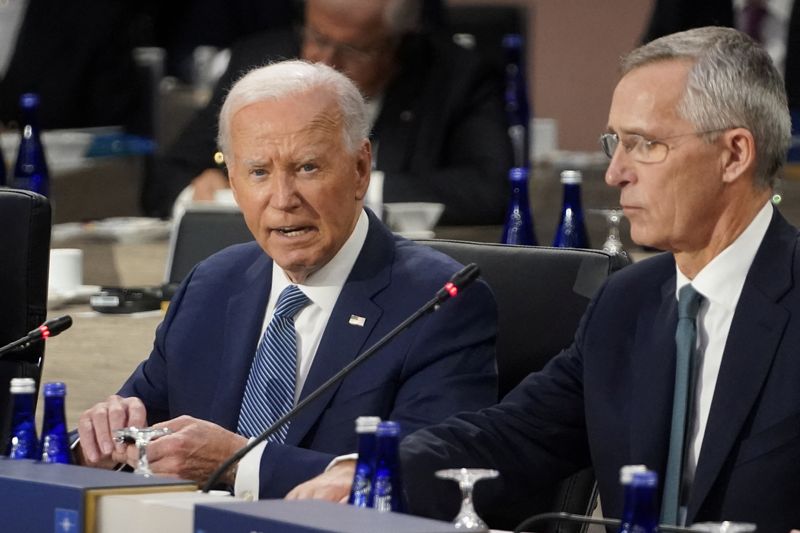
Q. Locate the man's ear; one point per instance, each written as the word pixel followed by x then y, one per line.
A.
pixel 363 168
pixel 739 155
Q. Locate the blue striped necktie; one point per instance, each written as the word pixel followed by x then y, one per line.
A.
pixel 685 339
pixel 269 393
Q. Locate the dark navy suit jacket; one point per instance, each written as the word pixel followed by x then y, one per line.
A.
pixel 441 365
pixel 606 401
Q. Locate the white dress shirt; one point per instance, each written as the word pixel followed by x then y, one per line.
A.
pixel 720 282
pixel 322 288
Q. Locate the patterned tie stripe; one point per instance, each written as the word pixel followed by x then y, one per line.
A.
pixel 269 393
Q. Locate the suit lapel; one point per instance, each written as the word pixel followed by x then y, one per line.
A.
pixel 653 380
pixel 342 342
pixel 243 320
pixel 755 334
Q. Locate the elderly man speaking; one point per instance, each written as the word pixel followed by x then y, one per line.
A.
pixel 256 327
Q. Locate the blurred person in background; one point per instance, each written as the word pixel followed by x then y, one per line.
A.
pixel 438 126
pixel 75 55
pixel 773 23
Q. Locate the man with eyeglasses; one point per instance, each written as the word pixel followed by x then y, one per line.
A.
pixel 687 362
pixel 439 132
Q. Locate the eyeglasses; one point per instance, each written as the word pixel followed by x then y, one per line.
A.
pixel 363 54
pixel 642 149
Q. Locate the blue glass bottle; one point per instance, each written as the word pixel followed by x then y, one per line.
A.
pixel 387 486
pixel 30 170
pixel 518 227
pixel 23 443
pixel 571 232
pixel 625 479
pixel 360 492
pixel 516 99
pixel 641 504
pixel 55 438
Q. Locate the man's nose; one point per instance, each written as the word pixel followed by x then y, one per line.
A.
pixel 284 192
pixel 620 170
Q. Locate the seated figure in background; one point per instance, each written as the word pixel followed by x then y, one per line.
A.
pixel 437 123
pixel 294 135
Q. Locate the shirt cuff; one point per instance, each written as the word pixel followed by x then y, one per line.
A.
pixel 248 480
pixel 339 459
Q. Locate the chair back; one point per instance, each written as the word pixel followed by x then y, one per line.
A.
pixel 24 263
pixel 200 233
pixel 541 294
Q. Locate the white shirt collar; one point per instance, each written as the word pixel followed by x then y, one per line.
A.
pixel 721 280
pixel 323 286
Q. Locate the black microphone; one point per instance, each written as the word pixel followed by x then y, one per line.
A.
pixel 457 282
pixel 526 524
pixel 51 328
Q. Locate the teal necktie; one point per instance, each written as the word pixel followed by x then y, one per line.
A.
pixel 689 301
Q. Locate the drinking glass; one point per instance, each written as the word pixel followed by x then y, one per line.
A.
pixel 141 437
pixel 467 518
pixel 613 243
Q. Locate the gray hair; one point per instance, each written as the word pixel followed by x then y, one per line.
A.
pixel 287 78
pixel 732 84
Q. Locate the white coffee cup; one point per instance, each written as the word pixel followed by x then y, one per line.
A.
pixel 66 269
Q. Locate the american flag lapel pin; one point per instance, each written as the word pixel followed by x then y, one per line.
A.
pixel 356 320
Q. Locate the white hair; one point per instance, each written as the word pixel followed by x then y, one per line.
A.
pixel 286 78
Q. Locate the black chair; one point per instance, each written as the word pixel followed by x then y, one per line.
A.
pixel 541 295
pixel 24 263
pixel 201 233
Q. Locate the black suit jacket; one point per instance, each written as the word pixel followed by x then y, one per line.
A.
pixel 607 401
pixel 670 16
pixel 77 56
pixel 441 133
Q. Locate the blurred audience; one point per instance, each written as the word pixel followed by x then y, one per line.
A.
pixel 180 26
pixel 439 131
pixel 773 23
pixel 76 55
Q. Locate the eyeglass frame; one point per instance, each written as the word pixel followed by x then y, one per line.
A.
pixel 362 54
pixel 608 137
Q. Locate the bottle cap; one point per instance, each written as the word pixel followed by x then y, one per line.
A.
pixel 627 471
pixel 23 386
pixel 518 174
pixel 512 40
pixel 367 424
pixel 387 428
pixel 55 388
pixel 28 100
pixel 648 478
pixel 570 177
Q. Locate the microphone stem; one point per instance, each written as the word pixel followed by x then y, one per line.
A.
pixel 16 345
pixel 582 519
pixel 431 305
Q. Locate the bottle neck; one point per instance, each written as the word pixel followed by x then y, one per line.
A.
pixel 519 191
pixel 23 407
pixel 54 410
pixel 572 196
